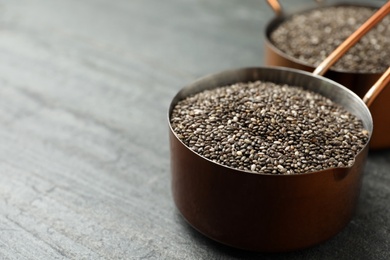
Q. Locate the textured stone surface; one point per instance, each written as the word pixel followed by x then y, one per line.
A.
pixel 84 157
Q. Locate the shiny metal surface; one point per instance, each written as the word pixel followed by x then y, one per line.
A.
pixel 266 212
pixel 377 89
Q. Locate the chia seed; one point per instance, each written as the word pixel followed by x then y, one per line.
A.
pixel 311 36
pixel 268 128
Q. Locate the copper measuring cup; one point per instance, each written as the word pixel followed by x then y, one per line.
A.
pixel 264 212
pixel 356 81
pixel 261 212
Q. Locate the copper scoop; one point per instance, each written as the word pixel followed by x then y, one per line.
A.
pixel 349 42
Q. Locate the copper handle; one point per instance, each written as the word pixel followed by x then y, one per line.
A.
pixel 377 88
pixel 352 39
pixel 275 6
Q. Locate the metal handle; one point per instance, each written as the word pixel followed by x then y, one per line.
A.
pixel 275 6
pixel 352 39
pixel 377 88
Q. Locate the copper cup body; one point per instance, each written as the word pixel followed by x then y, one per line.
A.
pixel 358 82
pixel 260 212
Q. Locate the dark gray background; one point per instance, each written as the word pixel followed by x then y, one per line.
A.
pixel 84 159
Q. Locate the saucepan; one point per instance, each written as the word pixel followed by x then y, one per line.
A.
pixel 269 212
pixel 358 82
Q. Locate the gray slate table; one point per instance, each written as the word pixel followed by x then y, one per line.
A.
pixel 84 159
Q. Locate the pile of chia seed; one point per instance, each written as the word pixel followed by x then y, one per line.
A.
pixel 268 128
pixel 311 36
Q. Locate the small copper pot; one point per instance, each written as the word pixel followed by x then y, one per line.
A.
pixel 262 212
pixel 357 82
